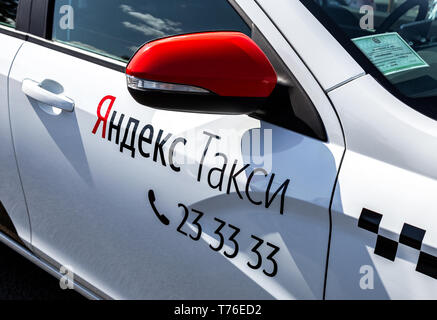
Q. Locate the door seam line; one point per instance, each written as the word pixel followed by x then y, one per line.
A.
pixel 14 149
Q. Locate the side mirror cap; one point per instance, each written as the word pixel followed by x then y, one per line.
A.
pixel 211 72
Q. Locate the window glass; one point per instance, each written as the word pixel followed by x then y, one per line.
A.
pixel 398 36
pixel 117 28
pixel 8 12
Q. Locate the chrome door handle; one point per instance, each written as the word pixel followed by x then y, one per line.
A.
pixel 35 91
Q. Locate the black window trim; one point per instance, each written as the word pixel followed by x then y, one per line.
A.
pixel 21 21
pixel 426 106
pixel 40 33
pixel 79 53
pixel 12 32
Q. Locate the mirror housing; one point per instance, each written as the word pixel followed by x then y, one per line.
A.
pixel 210 72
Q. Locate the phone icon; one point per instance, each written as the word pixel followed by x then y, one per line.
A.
pixel 161 217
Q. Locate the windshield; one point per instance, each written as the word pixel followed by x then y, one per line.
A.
pixel 399 37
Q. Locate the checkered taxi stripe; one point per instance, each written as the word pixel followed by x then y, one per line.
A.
pixel 410 236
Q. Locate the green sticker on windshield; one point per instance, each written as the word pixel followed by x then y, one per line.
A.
pixel 389 53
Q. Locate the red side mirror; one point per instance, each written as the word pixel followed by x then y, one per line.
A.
pixel 213 72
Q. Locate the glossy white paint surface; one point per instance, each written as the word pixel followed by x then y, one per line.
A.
pixel 390 167
pixel 11 194
pixel 88 203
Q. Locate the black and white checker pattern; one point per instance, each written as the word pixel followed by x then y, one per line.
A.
pixel 410 236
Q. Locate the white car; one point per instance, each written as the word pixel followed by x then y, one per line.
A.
pixel 241 149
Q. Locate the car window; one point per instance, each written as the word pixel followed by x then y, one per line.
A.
pixel 8 12
pixel 399 37
pixel 117 28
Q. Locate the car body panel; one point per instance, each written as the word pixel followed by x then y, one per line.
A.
pixel 11 192
pixel 389 167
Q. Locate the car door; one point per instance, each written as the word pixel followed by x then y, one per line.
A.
pixel 141 203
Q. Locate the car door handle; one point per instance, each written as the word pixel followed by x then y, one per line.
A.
pixel 35 91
